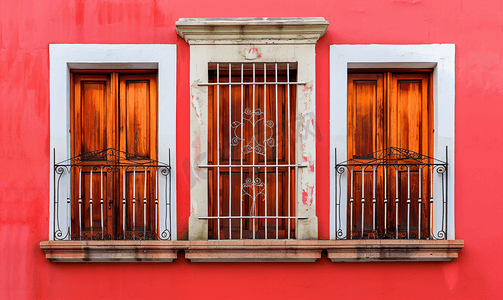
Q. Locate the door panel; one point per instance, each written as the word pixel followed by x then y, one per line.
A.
pixel 388 110
pixel 113 111
pixel 138 137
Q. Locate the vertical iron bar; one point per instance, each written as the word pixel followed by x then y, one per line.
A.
pixel 124 202
pixel 157 202
pixel 230 154
pixel 145 206
pixel 289 136
pixel 80 203
pixel 351 204
pixel 431 200
pixel 253 152
pixel 396 202
pixel 54 189
pixel 265 149
pixel 134 203
pixel 419 201
pixel 218 151
pixel 446 189
pixel 408 201
pixel 374 199
pixel 102 203
pixel 385 201
pixel 335 194
pixel 241 158
pixel 68 204
pixel 363 198
pixel 168 196
pixel 277 144
pixel 91 202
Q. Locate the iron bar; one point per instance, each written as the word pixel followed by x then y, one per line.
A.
pixel 250 83
pixel 80 203
pixel 277 142
pixel 289 143
pixel 218 150
pixel 241 158
pixel 230 153
pixel 124 203
pixel 265 147
pixel 134 202
pixel 396 202
pixel 145 205
pixel 91 202
pixel 253 166
pixel 253 152
pixel 253 217
pixel 408 202
pixel 363 200
pixel 374 201
pixel 101 202
pixel 419 202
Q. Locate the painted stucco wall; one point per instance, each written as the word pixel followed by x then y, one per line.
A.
pixel 28 27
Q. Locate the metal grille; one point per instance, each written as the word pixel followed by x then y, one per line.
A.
pixel 122 174
pixel 390 192
pixel 260 130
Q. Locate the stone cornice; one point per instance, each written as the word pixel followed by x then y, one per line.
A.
pixel 228 31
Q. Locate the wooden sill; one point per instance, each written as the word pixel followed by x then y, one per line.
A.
pixel 252 250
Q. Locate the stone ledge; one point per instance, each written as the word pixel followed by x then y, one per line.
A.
pixel 252 250
pixel 110 251
pixel 393 250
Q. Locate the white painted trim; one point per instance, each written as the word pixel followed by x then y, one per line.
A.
pixel 440 57
pixel 64 57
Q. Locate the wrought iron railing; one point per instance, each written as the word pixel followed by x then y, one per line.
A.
pixel 391 194
pixel 131 197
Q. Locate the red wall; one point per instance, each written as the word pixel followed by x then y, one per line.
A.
pixel 28 27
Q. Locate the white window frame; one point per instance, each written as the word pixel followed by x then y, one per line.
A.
pixel 66 57
pixel 439 57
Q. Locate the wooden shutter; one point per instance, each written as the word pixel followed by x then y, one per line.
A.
pixel 388 109
pixel 112 110
pixel 410 126
pixel 138 136
pixel 271 193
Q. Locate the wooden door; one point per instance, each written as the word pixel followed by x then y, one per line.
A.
pixel 387 109
pixel 138 138
pixel 249 127
pixel 409 126
pixel 112 112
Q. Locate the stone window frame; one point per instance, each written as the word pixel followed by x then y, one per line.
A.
pixel 258 40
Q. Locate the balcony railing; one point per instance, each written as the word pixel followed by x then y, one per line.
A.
pixel 391 194
pixel 112 195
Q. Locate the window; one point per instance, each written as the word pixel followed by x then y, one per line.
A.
pixel 373 137
pixel 87 125
pixel 114 157
pixel 273 202
pixel 389 154
pixel 251 127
